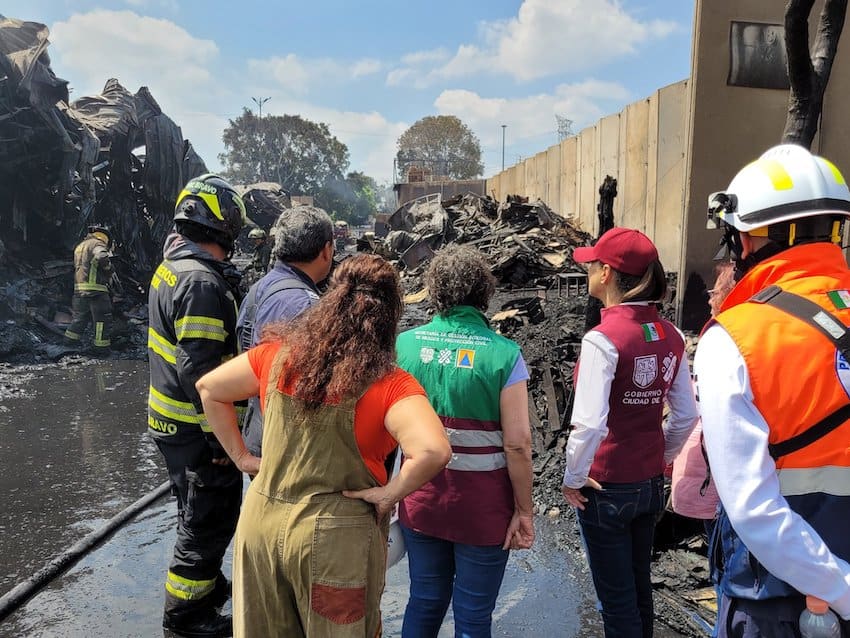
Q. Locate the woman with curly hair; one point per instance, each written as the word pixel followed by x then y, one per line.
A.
pixel 459 526
pixel 310 547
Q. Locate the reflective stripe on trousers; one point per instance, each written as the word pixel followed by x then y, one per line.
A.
pixel 89 307
pixel 208 499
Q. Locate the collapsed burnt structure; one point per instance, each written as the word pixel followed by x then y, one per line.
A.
pixel 113 158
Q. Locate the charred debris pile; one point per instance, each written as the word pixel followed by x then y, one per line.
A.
pixel 540 301
pixel 113 158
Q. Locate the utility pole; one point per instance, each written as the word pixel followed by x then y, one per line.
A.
pixel 504 126
pixel 259 101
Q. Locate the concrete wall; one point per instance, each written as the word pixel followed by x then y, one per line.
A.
pixel 730 126
pixel 685 141
pixel 643 147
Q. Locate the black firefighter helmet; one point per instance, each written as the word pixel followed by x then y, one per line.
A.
pixel 211 202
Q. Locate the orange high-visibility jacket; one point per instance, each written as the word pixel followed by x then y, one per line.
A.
pixel 797 378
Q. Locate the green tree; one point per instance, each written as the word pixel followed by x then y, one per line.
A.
pixel 298 154
pixel 440 145
pixel 352 199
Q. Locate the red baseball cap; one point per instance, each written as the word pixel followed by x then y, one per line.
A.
pixel 624 249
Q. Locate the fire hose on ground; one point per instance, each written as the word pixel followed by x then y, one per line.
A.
pixel 25 590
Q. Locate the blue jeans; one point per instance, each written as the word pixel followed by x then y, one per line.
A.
pixel 618 524
pixel 442 571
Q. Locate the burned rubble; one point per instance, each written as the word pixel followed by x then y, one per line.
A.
pixel 113 158
pixel 540 303
pixel 116 158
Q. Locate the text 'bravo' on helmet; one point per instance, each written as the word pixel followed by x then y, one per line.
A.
pixel 210 201
pixel 786 183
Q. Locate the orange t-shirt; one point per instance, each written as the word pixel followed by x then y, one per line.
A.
pixel 373 440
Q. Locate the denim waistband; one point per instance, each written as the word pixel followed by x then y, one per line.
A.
pixel 650 481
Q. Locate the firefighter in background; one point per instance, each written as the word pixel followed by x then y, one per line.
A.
pixel 262 251
pixel 92 276
pixel 192 306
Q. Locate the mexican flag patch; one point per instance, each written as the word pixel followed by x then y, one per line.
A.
pixel 653 331
pixel 841 298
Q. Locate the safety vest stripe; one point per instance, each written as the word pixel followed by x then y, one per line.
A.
pixel 474 438
pixel 188 589
pixel 90 288
pixel 830 479
pixel 196 327
pixel 162 346
pixel 171 414
pixel 98 335
pixel 171 408
pixel 477 462
pixel 93 271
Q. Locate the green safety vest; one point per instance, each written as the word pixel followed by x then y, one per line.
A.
pixel 462 364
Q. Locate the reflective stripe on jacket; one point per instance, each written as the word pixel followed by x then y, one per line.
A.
pixel 463 366
pixel 783 354
pixel 192 329
pixel 92 268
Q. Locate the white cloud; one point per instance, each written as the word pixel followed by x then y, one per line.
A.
pixel 176 66
pixel 167 4
pixel 287 71
pixel 300 75
pixel 545 38
pixel 531 119
pixel 138 50
pixel 364 67
pixel 201 93
pixel 420 57
pixel 399 77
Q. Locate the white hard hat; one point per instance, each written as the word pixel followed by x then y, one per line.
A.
pixel 787 182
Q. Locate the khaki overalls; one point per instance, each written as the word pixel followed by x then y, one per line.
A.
pixel 307 561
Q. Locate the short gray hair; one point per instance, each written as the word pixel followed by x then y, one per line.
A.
pixel 300 233
pixel 459 276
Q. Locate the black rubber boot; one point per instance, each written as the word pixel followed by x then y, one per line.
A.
pixel 222 592
pixel 206 623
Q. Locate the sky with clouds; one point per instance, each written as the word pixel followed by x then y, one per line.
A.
pixel 370 69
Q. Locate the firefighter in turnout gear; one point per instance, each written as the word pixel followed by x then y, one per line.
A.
pixel 262 251
pixel 92 275
pixel 192 306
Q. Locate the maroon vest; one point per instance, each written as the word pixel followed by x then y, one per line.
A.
pixel 650 351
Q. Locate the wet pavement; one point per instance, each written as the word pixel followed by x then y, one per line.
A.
pixel 74 452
